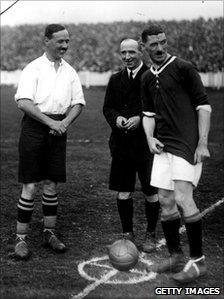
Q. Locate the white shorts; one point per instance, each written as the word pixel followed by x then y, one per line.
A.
pixel 167 168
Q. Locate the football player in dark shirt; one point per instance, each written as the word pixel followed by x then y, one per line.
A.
pixel 176 120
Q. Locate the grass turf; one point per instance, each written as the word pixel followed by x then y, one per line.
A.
pixel 88 218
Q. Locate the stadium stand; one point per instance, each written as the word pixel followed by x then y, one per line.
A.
pixel 94 46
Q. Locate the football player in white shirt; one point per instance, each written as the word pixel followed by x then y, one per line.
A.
pixel 51 97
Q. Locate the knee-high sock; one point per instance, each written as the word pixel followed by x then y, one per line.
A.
pixel 193 226
pixel 152 214
pixel 125 210
pixel 24 213
pixel 49 206
pixel 171 232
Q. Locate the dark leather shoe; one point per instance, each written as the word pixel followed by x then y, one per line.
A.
pixel 21 251
pixel 51 241
pixel 172 264
pixel 149 243
pixel 192 270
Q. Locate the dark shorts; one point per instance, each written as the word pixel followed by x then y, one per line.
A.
pixel 41 155
pixel 123 175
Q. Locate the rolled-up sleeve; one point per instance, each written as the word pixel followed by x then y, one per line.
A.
pixel 27 84
pixel 204 107
pixel 195 86
pixel 77 92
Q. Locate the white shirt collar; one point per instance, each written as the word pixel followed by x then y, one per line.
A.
pixel 135 71
pixel 51 63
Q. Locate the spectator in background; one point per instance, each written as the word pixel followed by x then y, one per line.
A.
pixel 128 145
pixel 49 88
pixel 175 103
pixel 95 44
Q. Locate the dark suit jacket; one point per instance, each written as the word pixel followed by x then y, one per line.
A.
pixel 123 98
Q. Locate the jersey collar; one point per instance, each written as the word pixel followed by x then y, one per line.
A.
pixel 162 67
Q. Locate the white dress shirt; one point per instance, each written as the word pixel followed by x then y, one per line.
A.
pixel 135 71
pixel 53 92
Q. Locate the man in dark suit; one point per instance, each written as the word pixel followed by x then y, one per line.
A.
pixel 128 145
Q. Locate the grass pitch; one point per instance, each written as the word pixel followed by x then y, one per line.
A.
pixel 88 218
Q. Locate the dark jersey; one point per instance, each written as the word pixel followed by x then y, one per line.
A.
pixel 173 92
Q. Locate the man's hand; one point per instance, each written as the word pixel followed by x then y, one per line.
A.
pixel 201 153
pixel 155 146
pixel 120 122
pixel 57 128
pixel 132 123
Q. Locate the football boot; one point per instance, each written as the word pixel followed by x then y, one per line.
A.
pixel 149 243
pixel 51 241
pixel 192 270
pixel 21 251
pixel 173 263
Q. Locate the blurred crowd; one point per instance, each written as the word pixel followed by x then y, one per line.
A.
pixel 94 47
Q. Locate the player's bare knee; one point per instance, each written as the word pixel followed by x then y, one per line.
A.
pixel 187 204
pixel 28 190
pixel 49 187
pixel 181 199
pixel 123 195
pixel 163 199
pixel 167 202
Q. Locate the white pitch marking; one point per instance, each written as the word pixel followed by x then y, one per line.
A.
pixel 212 207
pixel 138 272
pixel 102 266
pixel 141 257
pixel 145 276
pixel 95 284
pixel 113 272
pixel 90 262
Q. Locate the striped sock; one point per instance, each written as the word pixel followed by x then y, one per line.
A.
pixel 24 213
pixel 25 209
pixel 49 205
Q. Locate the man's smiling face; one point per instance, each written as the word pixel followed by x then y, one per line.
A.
pixel 57 45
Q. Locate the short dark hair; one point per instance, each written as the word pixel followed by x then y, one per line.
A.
pixel 52 28
pixel 153 29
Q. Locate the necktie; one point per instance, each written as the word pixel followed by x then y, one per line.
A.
pixel 131 76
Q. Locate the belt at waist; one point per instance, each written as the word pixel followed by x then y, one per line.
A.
pixel 56 116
